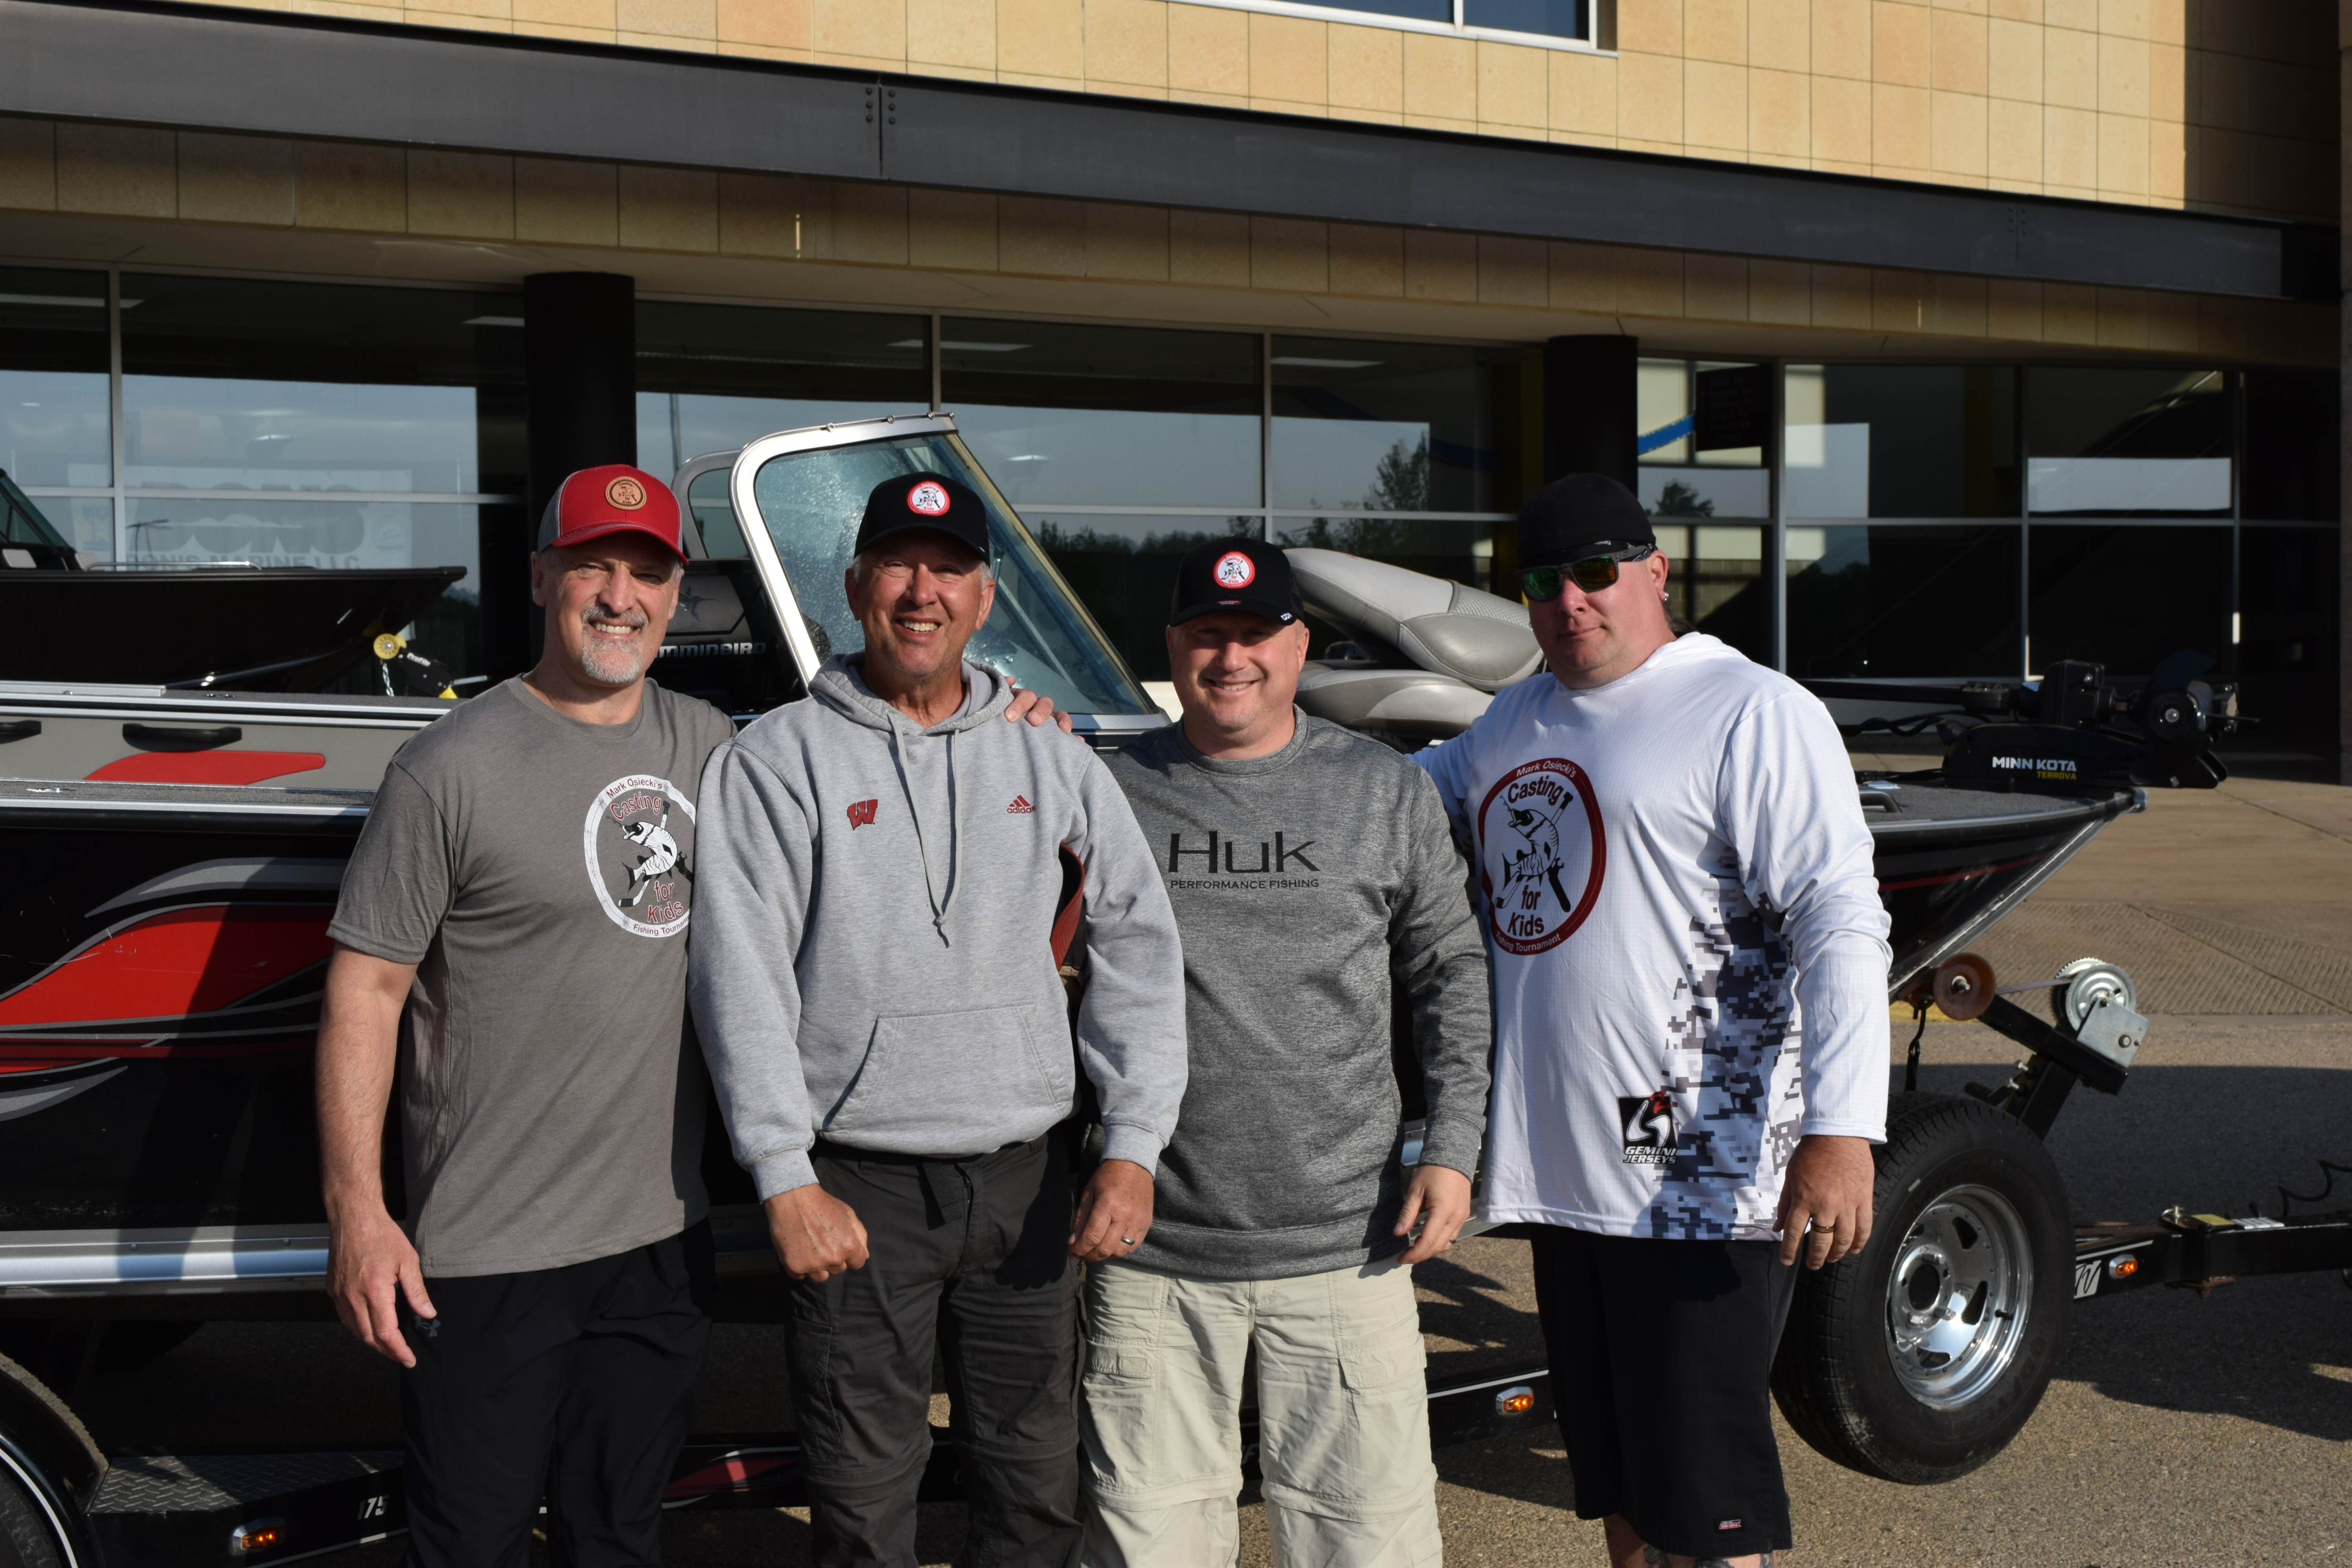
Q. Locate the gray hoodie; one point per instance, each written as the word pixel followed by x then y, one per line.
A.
pixel 870 962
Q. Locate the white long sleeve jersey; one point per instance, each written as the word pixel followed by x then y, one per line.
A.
pixel 1690 955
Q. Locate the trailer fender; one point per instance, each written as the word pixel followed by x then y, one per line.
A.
pixel 47 1452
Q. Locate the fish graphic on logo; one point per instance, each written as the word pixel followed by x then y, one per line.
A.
pixel 1541 854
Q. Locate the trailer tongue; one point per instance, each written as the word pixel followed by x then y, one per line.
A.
pixel 158 1004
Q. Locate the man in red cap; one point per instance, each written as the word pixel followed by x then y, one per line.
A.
pixel 510 951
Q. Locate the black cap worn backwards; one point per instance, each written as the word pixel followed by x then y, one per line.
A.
pixel 1563 521
pixel 909 501
pixel 1246 574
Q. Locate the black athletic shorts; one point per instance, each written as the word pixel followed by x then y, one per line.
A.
pixel 1661 1362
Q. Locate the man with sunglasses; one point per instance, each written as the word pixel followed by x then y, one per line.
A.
pixel 1691 1032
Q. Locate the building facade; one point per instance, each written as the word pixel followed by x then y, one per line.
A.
pixel 1942 339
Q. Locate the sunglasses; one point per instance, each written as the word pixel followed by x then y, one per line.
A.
pixel 1593 573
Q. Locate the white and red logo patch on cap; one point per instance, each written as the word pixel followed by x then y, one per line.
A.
pixel 1234 570
pixel 929 498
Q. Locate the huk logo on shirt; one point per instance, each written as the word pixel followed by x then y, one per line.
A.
pixel 861 813
pixel 1541 854
pixel 1649 1128
pixel 631 841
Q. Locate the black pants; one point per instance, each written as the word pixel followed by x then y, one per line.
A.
pixel 572 1384
pixel 1661 1366
pixel 971 1256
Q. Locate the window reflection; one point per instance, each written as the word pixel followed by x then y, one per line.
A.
pixel 2127 442
pixel 1715 581
pixel 1703 428
pixel 53 378
pixel 1389 427
pixel 1920 600
pixel 2127 597
pixel 1072 415
pixel 713 377
pixel 1870 440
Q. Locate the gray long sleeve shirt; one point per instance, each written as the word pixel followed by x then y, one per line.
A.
pixel 1302 882
pixel 871 961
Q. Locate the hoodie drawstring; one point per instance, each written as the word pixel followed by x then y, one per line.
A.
pixel 922 842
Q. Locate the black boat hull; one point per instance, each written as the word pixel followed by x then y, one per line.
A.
pixel 260 629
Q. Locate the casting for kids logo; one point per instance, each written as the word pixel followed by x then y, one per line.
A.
pixel 1540 854
pixel 631 841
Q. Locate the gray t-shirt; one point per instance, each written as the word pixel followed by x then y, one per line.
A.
pixel 539 871
pixel 1309 884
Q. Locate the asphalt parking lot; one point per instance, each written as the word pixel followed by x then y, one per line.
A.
pixel 2178 1430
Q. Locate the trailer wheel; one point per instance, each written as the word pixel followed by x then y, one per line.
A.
pixel 1919 1359
pixel 25 1538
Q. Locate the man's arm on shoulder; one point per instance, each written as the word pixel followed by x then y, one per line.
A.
pixel 755 864
pixel 1439 960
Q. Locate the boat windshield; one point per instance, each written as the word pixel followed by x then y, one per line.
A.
pixel 1038 633
pixel 21 522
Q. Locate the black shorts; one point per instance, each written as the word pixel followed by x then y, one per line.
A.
pixel 571 1384
pixel 1661 1364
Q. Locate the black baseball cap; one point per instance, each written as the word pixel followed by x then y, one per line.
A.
pixel 1246 574
pixel 1563 521
pixel 908 501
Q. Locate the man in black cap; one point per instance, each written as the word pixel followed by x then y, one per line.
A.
pixel 873 978
pixel 1311 870
pixel 1690 978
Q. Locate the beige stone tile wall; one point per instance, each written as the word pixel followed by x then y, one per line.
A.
pixel 776 229
pixel 2219 105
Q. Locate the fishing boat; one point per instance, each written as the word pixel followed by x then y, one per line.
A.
pixel 73 617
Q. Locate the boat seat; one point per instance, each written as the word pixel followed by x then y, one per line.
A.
pixel 1413 704
pixel 1439 625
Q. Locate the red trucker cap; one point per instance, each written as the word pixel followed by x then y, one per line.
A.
pixel 614 499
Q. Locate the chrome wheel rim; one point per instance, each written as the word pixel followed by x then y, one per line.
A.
pixel 1957 1297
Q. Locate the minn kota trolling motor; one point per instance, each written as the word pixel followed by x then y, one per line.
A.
pixel 2072 733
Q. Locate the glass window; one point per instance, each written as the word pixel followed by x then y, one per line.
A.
pixel 53 379
pixel 2292 446
pixel 1703 428
pixel 1920 600
pixel 2127 443
pixel 1715 582
pixel 1124 568
pixel 2288 580
pixel 1078 415
pixel 811 504
pixel 711 378
pixel 232 383
pixel 1553 18
pixel 1873 440
pixel 1388 426
pixel 2126 596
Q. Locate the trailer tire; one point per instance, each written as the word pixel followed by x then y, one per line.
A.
pixel 25 1538
pixel 1903 1361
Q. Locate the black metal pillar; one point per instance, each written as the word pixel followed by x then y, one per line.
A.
pixel 580 345
pixel 1590 408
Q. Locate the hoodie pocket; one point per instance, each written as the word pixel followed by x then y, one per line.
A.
pixel 961 1082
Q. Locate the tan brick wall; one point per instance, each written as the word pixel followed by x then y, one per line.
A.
pixel 2219 105
pixel 791 226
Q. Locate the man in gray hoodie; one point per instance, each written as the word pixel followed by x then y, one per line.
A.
pixel 887 1028
pixel 1313 873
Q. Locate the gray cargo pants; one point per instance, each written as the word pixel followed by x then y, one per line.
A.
pixel 969 1256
